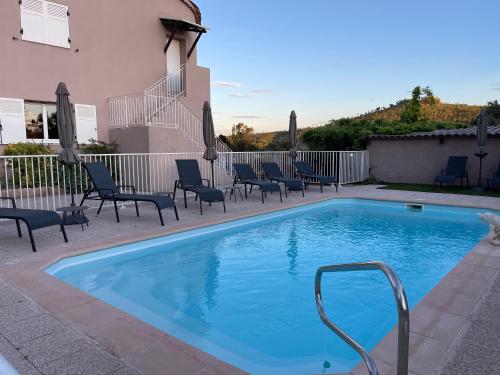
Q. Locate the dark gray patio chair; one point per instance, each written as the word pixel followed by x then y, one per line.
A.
pixel 190 180
pixel 107 190
pixel 308 175
pixel 272 172
pixel 246 175
pixel 34 219
pixel 495 181
pixel 455 169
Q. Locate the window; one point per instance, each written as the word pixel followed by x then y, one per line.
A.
pixel 40 121
pixel 45 22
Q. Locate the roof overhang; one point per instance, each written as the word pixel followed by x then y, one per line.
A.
pixel 182 25
pixel 175 26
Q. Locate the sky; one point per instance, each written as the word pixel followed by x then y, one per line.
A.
pixel 328 59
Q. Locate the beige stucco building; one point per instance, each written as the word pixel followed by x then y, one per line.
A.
pixel 419 157
pixel 124 81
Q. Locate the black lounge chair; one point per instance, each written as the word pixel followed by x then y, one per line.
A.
pixel 308 175
pixel 456 169
pixel 246 175
pixel 107 190
pixel 34 219
pixel 495 181
pixel 190 180
pixel 273 172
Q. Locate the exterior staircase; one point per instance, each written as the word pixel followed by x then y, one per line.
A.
pixel 160 105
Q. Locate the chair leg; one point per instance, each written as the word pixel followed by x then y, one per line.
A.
pixel 224 204
pixel 176 213
pixel 185 201
pixel 336 188
pixel 201 208
pixel 246 195
pixel 161 216
pixel 321 188
pixel 19 233
pixel 281 197
pixel 32 240
pixel 262 194
pixel 136 209
pixel 303 195
pixel 100 207
pixel 116 211
pixel 64 233
pixel 286 194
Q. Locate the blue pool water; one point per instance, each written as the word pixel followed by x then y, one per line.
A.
pixel 244 291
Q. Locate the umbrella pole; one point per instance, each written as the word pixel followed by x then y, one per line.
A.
pixel 213 183
pixel 481 156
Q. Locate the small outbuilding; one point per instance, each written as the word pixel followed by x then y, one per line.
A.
pixel 419 157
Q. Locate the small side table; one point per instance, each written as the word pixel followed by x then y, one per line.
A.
pixel 232 190
pixel 77 215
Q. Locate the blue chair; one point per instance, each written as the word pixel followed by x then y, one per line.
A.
pixel 190 180
pixel 273 172
pixel 34 219
pixel 308 175
pixel 246 175
pixel 107 190
pixel 455 169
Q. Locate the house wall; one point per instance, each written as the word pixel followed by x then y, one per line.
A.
pixel 116 49
pixel 420 160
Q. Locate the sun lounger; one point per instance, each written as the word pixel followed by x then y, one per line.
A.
pixel 190 180
pixel 34 219
pixel 107 190
pixel 246 175
pixel 273 172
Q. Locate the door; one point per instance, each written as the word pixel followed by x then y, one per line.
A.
pixel 174 68
pixel 86 123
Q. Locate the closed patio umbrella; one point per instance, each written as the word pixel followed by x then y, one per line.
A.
pixel 292 136
pixel 67 134
pixel 482 135
pixel 209 137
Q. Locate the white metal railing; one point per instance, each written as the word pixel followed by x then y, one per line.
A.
pixel 40 182
pixel 145 108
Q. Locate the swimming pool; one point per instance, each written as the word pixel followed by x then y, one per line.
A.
pixel 244 291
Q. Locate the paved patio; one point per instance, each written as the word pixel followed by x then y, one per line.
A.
pixel 47 327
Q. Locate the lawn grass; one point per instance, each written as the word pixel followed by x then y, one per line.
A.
pixel 441 189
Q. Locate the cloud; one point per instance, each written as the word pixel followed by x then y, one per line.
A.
pixel 227 84
pixel 262 91
pixel 248 117
pixel 235 95
pixel 497 88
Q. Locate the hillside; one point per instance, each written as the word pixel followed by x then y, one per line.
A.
pixel 437 112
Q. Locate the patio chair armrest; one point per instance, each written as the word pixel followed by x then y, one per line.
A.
pixel 110 191
pixel 11 199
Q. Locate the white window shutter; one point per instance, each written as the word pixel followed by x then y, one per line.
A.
pixel 33 20
pixel 57 25
pixel 12 119
pixel 86 123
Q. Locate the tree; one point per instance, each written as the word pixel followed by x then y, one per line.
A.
pixel 413 109
pixel 242 138
pixel 492 112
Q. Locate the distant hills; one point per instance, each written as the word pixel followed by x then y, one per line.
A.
pixel 436 112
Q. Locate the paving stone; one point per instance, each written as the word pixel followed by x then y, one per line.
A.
pixel 8 296
pixel 18 311
pixel 31 329
pixel 127 370
pixel 16 359
pixel 90 361
pixel 54 346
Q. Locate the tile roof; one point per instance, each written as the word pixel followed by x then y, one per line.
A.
pixel 464 132
pixel 194 8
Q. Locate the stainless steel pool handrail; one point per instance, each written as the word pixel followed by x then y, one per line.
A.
pixel 403 313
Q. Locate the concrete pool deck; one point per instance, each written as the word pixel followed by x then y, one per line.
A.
pixel 48 327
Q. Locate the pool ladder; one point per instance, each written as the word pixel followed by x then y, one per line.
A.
pixel 403 313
